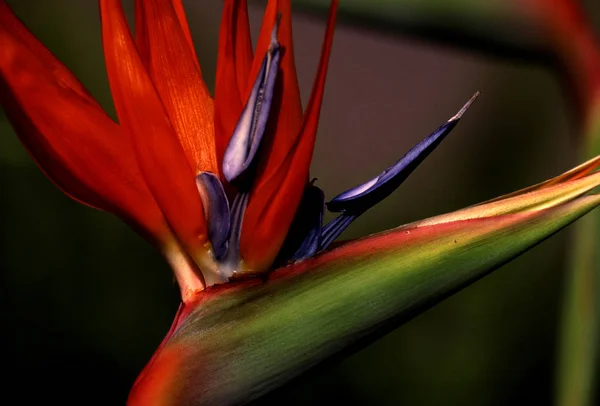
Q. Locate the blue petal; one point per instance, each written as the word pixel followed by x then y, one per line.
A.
pixel 334 228
pixel 356 201
pixel 216 211
pixel 304 236
pixel 232 259
pixel 366 195
pixel 245 141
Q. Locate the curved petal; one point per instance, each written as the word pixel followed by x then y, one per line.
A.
pixel 277 192
pixel 160 156
pixel 173 68
pixel 234 60
pixel 242 153
pixel 62 74
pixel 354 202
pixel 361 198
pixel 67 133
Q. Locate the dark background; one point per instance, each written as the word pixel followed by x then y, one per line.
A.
pixel 84 301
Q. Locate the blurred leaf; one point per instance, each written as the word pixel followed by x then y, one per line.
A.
pixel 506 27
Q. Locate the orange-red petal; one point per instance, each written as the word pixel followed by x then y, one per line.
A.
pixel 173 69
pixel 233 69
pixel 180 12
pixel 160 156
pixel 43 54
pixel 274 199
pixel 70 137
pixel 141 35
pixel 142 41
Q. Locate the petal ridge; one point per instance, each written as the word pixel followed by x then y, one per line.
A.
pixel 179 84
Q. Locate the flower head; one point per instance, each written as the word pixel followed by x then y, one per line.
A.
pixel 222 188
pixel 214 184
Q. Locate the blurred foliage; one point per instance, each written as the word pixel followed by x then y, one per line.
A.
pixel 85 301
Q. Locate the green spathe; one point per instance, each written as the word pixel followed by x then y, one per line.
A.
pixel 244 340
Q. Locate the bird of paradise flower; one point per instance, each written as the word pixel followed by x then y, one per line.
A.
pixel 221 187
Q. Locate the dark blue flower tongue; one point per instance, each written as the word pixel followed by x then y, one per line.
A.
pixel 216 211
pixel 356 201
pixel 304 236
pixel 244 144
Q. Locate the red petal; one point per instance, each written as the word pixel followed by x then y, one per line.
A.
pixel 142 41
pixel 274 199
pixel 141 35
pixel 233 69
pixel 67 133
pixel 180 12
pixel 172 65
pixel 160 156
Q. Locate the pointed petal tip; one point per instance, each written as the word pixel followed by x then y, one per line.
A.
pixel 366 195
pixel 466 107
pixel 275 31
pixel 362 197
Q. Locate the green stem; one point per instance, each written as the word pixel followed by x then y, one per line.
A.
pixel 580 330
pixel 577 369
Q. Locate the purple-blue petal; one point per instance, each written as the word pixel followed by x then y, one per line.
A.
pixel 360 198
pixel 237 216
pixel 216 211
pixel 240 155
pixel 334 228
pixel 304 236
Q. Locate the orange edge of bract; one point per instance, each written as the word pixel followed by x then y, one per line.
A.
pixel 576 173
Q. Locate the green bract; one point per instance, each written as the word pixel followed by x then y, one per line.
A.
pixel 240 341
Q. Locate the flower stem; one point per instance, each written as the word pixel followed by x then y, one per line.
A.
pixel 577 368
pixel 188 275
pixel 577 372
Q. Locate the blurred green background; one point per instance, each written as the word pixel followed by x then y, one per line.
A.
pixel 84 301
